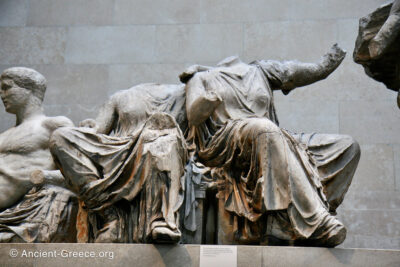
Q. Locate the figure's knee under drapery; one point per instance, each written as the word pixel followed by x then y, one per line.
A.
pixel 336 158
pixel 45 214
pixel 266 169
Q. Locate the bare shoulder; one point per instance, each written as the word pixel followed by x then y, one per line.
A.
pixel 121 98
pixel 52 123
pixel 120 95
pixel 135 91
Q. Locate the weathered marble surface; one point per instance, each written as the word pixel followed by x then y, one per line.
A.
pixel 273 187
pixel 130 168
pixel 28 213
pixel 127 165
pixel 378 45
pixel 348 102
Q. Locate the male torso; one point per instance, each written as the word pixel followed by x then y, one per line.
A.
pixel 23 149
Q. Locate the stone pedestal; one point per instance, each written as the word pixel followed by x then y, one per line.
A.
pixel 186 255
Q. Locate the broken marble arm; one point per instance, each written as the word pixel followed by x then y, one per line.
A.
pixel 288 75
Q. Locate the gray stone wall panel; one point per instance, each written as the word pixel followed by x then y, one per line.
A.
pixel 199 42
pixel 288 40
pixel 75 84
pixel 32 45
pixel 371 122
pixel 349 83
pixel 377 223
pixel 376 161
pixel 156 12
pixel 71 12
pixel 13 12
pixel 300 116
pixel 370 199
pixel 396 149
pixel 224 11
pixel 110 44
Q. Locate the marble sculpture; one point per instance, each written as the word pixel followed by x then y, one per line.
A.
pixel 152 146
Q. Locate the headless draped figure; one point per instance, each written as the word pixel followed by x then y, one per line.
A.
pixel 271 183
pixel 126 165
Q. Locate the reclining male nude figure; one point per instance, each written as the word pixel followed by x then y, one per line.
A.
pixel 27 213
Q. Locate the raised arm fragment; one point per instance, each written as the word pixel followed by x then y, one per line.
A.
pixel 291 74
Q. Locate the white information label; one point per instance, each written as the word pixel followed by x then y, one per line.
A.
pixel 218 256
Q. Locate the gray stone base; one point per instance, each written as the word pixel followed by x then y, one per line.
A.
pixel 186 255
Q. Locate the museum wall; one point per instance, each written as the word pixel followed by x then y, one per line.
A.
pixel 88 49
